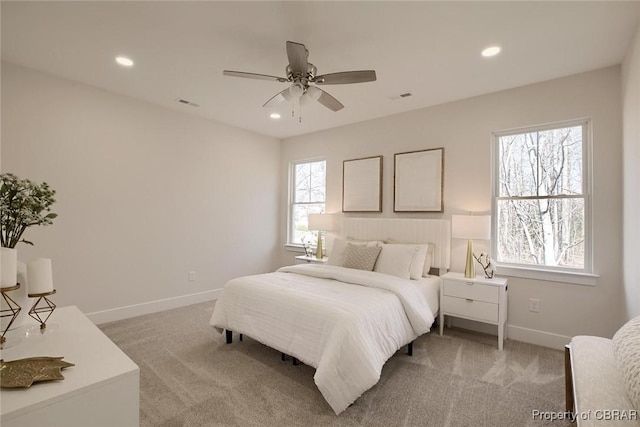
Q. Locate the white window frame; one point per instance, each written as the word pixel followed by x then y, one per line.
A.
pixel 584 276
pixel 290 201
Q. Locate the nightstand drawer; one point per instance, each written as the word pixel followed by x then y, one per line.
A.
pixel 474 291
pixel 470 308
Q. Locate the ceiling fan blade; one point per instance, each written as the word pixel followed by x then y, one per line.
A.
pixel 324 98
pixel 285 95
pixel 346 77
pixel 297 55
pixel 253 76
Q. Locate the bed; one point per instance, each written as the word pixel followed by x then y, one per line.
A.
pixel 345 322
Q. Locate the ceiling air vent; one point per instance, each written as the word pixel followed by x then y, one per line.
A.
pixel 402 95
pixel 184 101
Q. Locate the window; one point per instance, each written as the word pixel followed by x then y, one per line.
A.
pixel 307 195
pixel 541 203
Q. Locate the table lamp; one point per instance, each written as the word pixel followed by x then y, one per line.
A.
pixel 470 227
pixel 320 223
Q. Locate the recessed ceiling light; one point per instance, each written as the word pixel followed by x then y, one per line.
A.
pixel 123 60
pixel 491 51
pixel 275 116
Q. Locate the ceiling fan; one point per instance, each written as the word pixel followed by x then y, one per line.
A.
pixel 300 73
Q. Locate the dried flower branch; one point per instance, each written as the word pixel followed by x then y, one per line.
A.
pixel 23 203
pixel 485 262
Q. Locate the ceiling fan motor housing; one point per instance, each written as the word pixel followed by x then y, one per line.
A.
pixel 309 77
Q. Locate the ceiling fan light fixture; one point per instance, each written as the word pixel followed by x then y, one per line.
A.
pixel 296 90
pixel 491 51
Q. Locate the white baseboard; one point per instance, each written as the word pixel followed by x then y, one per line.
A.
pixel 533 336
pixel 517 333
pixel 126 312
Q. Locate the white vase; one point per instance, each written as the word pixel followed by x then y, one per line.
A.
pixel 20 296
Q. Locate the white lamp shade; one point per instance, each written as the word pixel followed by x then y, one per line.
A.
pixel 471 227
pixel 322 222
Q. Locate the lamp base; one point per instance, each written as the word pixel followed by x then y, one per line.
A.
pixel 469 266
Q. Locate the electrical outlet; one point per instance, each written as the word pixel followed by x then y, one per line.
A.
pixel 534 305
pixel 192 276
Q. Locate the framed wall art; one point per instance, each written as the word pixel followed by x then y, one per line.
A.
pixel 362 185
pixel 418 181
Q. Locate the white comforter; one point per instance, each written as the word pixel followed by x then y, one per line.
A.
pixel 346 323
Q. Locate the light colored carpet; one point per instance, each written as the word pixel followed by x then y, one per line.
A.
pixel 190 377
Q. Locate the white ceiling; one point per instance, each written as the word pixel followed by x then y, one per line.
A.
pixel 431 49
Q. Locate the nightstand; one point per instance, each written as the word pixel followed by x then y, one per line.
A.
pixel 302 259
pixel 480 299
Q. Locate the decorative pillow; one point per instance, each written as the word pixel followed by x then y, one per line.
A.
pixel 361 257
pixel 336 255
pixel 397 260
pixel 626 349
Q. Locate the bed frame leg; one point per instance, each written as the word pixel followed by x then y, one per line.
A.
pixel 410 349
pixel 283 357
pixel 295 361
pixel 229 336
pixel 240 337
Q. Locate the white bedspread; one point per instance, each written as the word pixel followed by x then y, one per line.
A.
pixel 346 323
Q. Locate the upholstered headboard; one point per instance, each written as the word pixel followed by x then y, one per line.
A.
pixel 435 231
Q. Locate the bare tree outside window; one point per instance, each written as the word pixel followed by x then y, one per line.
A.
pixel 307 197
pixel 540 197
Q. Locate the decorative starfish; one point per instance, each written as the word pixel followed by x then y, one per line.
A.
pixel 25 372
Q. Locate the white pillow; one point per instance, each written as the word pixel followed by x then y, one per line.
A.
pixel 417 262
pixel 427 260
pixel 428 257
pixel 419 259
pixel 336 256
pixel 396 260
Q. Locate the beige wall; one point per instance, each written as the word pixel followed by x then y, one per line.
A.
pixel 464 129
pixel 631 150
pixel 144 194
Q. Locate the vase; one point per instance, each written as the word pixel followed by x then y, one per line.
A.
pixel 20 296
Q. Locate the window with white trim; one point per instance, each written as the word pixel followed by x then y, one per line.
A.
pixel 541 197
pixel 306 196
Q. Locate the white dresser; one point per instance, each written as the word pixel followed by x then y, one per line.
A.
pixel 480 299
pixel 102 389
